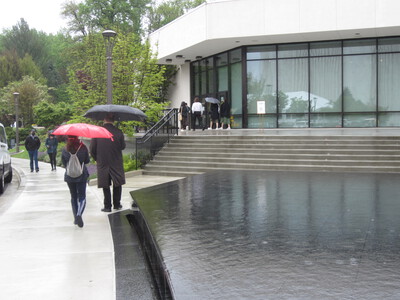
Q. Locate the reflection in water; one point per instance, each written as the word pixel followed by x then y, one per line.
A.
pixel 272 235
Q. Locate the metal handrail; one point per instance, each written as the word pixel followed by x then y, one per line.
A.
pixel 164 129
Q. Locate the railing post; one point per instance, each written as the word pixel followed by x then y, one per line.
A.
pixel 136 146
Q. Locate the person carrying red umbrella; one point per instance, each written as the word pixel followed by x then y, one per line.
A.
pixel 76 185
pixel 78 178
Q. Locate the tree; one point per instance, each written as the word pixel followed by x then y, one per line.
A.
pixel 31 92
pixel 45 51
pixel 137 79
pixel 123 16
pixel 49 115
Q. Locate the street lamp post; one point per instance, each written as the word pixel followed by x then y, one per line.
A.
pixel 109 36
pixel 16 95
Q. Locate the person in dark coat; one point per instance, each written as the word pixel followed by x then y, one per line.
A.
pixel 214 115
pixel 184 110
pixel 110 168
pixel 77 186
pixel 51 145
pixel 32 145
pixel 225 113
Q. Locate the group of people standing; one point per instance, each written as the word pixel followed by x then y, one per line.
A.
pixel 108 156
pixel 219 115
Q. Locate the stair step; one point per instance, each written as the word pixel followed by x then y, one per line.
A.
pixel 273 155
pixel 329 151
pixel 313 160
pixel 189 155
pixel 165 168
pixel 258 163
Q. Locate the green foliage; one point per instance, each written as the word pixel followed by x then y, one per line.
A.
pixel 130 160
pixel 59 77
pixel 89 16
pixel 30 92
pixel 137 79
pixel 49 115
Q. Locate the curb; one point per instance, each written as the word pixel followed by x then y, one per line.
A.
pixel 20 174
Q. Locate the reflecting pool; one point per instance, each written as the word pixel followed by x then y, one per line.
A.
pixel 277 235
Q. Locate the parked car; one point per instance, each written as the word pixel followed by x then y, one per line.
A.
pixel 5 160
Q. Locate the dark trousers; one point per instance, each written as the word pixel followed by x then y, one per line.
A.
pixel 78 197
pixel 53 162
pixel 197 116
pixel 117 192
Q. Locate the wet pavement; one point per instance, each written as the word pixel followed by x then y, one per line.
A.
pixel 43 255
pixel 278 235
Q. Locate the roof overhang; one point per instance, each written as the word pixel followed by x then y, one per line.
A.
pixel 220 25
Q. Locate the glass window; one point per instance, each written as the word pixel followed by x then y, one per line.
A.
pixel 293 120
pixel 389 82
pixel 325 84
pixel 236 121
pixel 235 56
pixel 326 120
pixel 222 59
pixel 196 67
pixel 293 50
pixel 359 83
pixel 261 52
pixel 197 84
pixel 261 121
pixel 236 88
pixel 389 119
pixel 326 48
pixel 203 83
pixel 389 45
pixel 293 85
pixel 359 46
pixel 204 65
pixel 3 138
pixel 223 79
pixel 261 85
pixel 359 120
pixel 211 88
pixel 210 63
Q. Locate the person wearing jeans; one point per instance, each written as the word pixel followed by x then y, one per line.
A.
pixel 32 145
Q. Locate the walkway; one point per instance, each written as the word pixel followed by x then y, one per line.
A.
pixel 42 254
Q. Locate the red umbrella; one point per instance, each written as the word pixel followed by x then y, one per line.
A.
pixel 83 130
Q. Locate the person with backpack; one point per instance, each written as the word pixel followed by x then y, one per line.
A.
pixel 74 157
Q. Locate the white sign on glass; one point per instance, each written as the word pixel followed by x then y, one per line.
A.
pixel 260 107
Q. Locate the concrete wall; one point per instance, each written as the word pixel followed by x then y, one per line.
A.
pixel 180 90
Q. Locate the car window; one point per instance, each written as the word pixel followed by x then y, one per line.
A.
pixel 2 135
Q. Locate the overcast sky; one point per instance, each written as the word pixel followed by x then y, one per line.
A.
pixel 42 15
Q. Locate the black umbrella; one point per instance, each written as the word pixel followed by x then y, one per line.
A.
pixel 120 112
pixel 212 100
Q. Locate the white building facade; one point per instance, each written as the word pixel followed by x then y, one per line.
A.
pixel 289 63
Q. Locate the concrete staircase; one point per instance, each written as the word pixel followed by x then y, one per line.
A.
pixel 189 155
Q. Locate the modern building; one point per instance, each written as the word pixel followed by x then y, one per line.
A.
pixel 289 63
